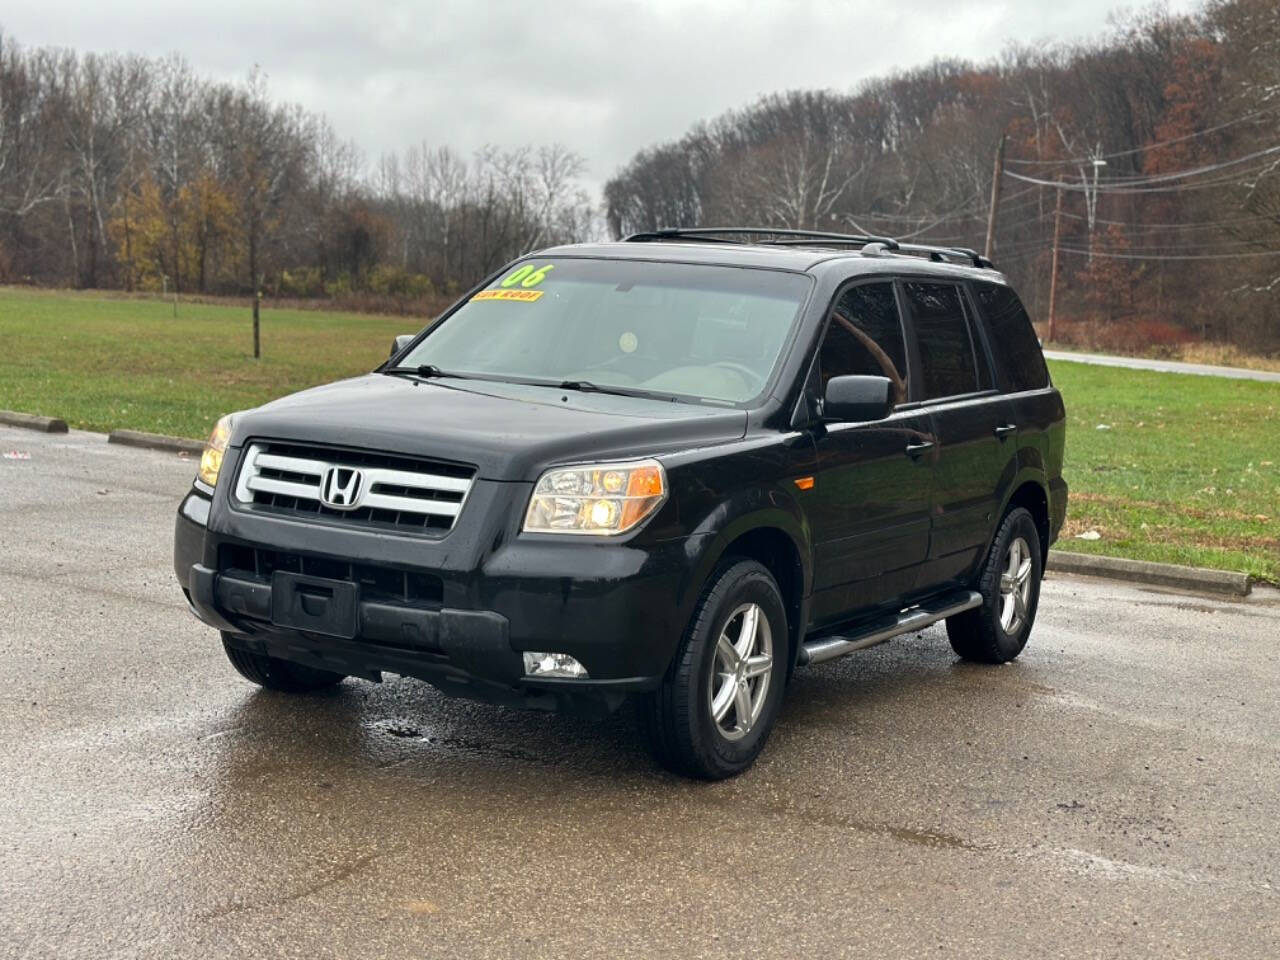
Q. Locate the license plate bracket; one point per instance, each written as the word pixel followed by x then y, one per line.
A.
pixel 315 604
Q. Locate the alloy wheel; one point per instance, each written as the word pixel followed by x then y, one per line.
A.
pixel 739 681
pixel 1015 586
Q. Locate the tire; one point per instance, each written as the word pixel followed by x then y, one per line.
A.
pixel 276 674
pixel 997 630
pixel 706 675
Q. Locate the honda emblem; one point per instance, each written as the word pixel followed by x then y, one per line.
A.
pixel 341 488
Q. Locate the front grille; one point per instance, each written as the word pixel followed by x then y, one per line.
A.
pixel 353 486
pixel 379 584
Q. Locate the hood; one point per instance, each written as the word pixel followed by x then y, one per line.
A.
pixel 509 431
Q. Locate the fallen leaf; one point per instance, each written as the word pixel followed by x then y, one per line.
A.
pixel 421 907
pixel 1089 535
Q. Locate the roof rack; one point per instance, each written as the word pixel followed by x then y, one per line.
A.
pixel 871 245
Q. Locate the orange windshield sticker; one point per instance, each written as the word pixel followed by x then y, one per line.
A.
pixel 525 296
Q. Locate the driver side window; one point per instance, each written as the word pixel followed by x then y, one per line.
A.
pixel 864 337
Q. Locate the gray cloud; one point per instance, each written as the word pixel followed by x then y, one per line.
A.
pixel 603 78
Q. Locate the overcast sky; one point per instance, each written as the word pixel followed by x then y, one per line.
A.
pixel 603 78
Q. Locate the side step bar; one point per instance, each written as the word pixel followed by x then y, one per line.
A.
pixel 916 618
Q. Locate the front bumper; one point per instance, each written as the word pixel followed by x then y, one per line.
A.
pixel 617 608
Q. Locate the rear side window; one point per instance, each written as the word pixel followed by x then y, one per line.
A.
pixel 948 361
pixel 1013 339
pixel 865 337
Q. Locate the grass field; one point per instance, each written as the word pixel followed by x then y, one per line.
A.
pixel 1187 471
pixel 101 363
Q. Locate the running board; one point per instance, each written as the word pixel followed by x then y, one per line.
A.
pixel 917 618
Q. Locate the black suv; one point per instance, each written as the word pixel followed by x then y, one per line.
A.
pixel 671 469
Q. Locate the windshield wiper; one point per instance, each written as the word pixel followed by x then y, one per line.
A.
pixel 427 371
pixel 586 386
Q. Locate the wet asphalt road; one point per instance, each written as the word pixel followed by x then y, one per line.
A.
pixel 1111 794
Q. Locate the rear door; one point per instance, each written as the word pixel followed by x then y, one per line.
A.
pixel 869 506
pixel 1022 374
pixel 974 424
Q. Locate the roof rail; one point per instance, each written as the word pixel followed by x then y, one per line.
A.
pixel 872 245
pixel 787 237
pixel 940 254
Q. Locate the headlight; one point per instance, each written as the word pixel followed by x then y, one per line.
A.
pixel 211 458
pixel 602 499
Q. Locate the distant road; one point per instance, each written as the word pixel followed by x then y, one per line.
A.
pixel 1165 366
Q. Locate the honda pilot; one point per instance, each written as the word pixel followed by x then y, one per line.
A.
pixel 669 470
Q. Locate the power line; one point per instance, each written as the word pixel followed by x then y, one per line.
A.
pixel 1197 256
pixel 1157 249
pixel 960 213
pixel 1176 226
pixel 1005 229
pixel 1132 184
pixel 1077 161
pixel 1232 180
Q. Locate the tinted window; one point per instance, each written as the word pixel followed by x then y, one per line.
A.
pixel 865 337
pixel 947 359
pixel 1012 337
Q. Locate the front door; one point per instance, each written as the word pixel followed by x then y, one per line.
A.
pixel 869 509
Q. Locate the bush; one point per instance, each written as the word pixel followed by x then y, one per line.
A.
pixel 386 280
pixel 339 286
pixel 301 282
pixel 1140 336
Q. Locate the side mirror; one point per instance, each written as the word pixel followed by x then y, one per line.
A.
pixel 400 342
pixel 858 398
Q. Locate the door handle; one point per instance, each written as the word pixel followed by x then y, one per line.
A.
pixel 914 450
pixel 1006 430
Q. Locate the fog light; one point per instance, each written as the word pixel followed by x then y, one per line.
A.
pixel 553 665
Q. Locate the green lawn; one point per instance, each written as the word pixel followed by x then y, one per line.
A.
pixel 1189 471
pixel 102 363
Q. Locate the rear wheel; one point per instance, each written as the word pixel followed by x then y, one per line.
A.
pixel 717 704
pixel 276 674
pixel 997 630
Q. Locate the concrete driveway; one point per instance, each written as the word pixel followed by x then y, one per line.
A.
pixel 1114 793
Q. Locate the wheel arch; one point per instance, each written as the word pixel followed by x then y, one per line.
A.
pixel 778 540
pixel 1030 492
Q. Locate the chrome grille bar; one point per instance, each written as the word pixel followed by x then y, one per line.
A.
pixel 265 475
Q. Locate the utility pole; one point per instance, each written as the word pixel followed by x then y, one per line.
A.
pixel 995 199
pixel 1053 270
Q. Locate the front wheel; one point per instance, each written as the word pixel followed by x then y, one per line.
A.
pixel 720 697
pixel 997 630
pixel 276 674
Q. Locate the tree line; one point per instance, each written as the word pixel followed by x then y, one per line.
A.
pixel 120 171
pixel 1160 139
pixel 1163 138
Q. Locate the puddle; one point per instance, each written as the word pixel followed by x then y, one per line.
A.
pixel 403 731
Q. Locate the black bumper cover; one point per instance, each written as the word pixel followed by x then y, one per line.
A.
pixel 623 628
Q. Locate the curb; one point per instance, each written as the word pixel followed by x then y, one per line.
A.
pixel 1193 579
pixel 155 441
pixel 30 421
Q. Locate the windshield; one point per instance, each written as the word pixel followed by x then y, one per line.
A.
pixel 667 329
